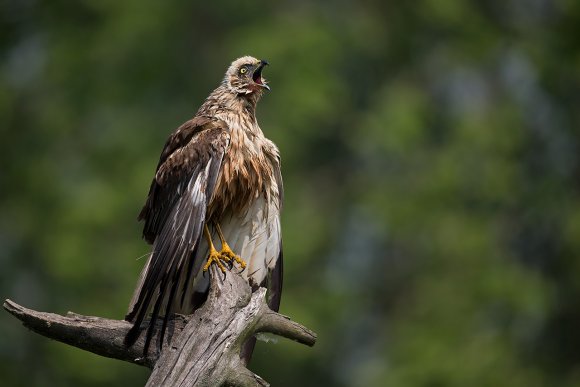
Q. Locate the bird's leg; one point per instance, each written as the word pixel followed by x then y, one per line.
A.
pixel 226 253
pixel 214 255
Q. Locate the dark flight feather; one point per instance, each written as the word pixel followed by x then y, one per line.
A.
pixel 177 203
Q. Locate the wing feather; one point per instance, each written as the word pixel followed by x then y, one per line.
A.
pixel 174 215
pixel 159 202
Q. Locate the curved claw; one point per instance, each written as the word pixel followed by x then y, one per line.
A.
pixel 229 256
pixel 226 255
pixel 214 257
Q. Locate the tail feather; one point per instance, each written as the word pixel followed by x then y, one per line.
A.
pixel 169 258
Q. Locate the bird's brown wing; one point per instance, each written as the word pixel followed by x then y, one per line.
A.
pixel 155 210
pixel 176 206
pixel 274 279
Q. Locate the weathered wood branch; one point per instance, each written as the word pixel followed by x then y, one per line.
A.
pixel 202 349
pixel 95 334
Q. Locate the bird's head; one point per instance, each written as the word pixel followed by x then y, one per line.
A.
pixel 244 76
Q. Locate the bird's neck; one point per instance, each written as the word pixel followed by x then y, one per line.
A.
pixel 222 103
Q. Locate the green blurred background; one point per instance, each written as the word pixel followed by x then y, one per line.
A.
pixel 431 165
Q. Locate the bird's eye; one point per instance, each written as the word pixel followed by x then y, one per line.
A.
pixel 243 70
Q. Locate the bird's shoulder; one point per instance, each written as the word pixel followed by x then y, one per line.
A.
pixel 194 129
pixel 191 144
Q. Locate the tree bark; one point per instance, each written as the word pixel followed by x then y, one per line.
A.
pixel 202 349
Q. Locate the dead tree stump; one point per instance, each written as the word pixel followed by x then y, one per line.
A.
pixel 202 349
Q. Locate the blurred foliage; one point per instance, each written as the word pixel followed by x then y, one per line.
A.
pixel 431 165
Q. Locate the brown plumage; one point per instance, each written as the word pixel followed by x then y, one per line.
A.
pixel 216 170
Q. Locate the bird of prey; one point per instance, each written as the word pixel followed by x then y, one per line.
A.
pixel 215 199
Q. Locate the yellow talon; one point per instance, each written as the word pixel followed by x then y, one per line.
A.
pixel 226 254
pixel 214 257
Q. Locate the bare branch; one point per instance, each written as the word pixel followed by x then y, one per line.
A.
pixel 281 325
pixel 95 334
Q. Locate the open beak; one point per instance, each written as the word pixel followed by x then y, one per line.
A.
pixel 257 76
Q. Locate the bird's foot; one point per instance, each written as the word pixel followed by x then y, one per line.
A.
pixel 227 255
pixel 217 258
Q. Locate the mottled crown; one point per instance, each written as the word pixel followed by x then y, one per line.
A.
pixel 238 63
